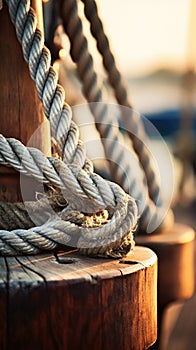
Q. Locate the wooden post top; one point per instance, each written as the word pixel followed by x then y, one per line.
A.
pixel 88 303
pixel 73 267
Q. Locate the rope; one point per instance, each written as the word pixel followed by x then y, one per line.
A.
pixel 105 124
pixel 134 123
pixel 108 126
pixel 94 192
pixel 82 188
pixel 103 45
pixel 77 185
pixel 71 228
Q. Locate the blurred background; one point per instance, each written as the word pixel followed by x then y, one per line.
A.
pixel 155 47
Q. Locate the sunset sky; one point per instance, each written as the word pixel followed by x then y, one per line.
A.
pixel 147 34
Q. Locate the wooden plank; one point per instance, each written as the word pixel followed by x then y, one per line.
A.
pixel 87 303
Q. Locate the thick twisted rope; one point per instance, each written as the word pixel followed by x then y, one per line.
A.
pixel 106 124
pixel 63 129
pixel 103 45
pixel 83 189
pixel 132 123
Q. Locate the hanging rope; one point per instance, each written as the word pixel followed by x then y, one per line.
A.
pixel 103 45
pixel 81 187
pixel 105 123
pixel 108 127
pixel 133 122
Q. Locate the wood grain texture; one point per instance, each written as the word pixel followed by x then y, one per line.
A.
pixel 21 109
pixel 175 251
pixel 76 302
pixel 3 303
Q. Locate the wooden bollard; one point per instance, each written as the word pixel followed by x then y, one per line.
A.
pixel 21 109
pixel 75 302
pixel 175 251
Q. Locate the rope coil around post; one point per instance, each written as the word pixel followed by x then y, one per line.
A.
pixel 99 241
pixel 82 188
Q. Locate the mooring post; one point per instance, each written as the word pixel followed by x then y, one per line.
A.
pixel 21 110
pixel 175 251
pixel 76 302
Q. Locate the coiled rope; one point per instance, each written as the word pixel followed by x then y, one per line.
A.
pixel 81 188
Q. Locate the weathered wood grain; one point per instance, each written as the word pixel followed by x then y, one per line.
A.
pixel 21 109
pixel 76 302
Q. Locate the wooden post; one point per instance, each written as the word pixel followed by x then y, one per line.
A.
pixel 175 251
pixel 21 109
pixel 77 303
